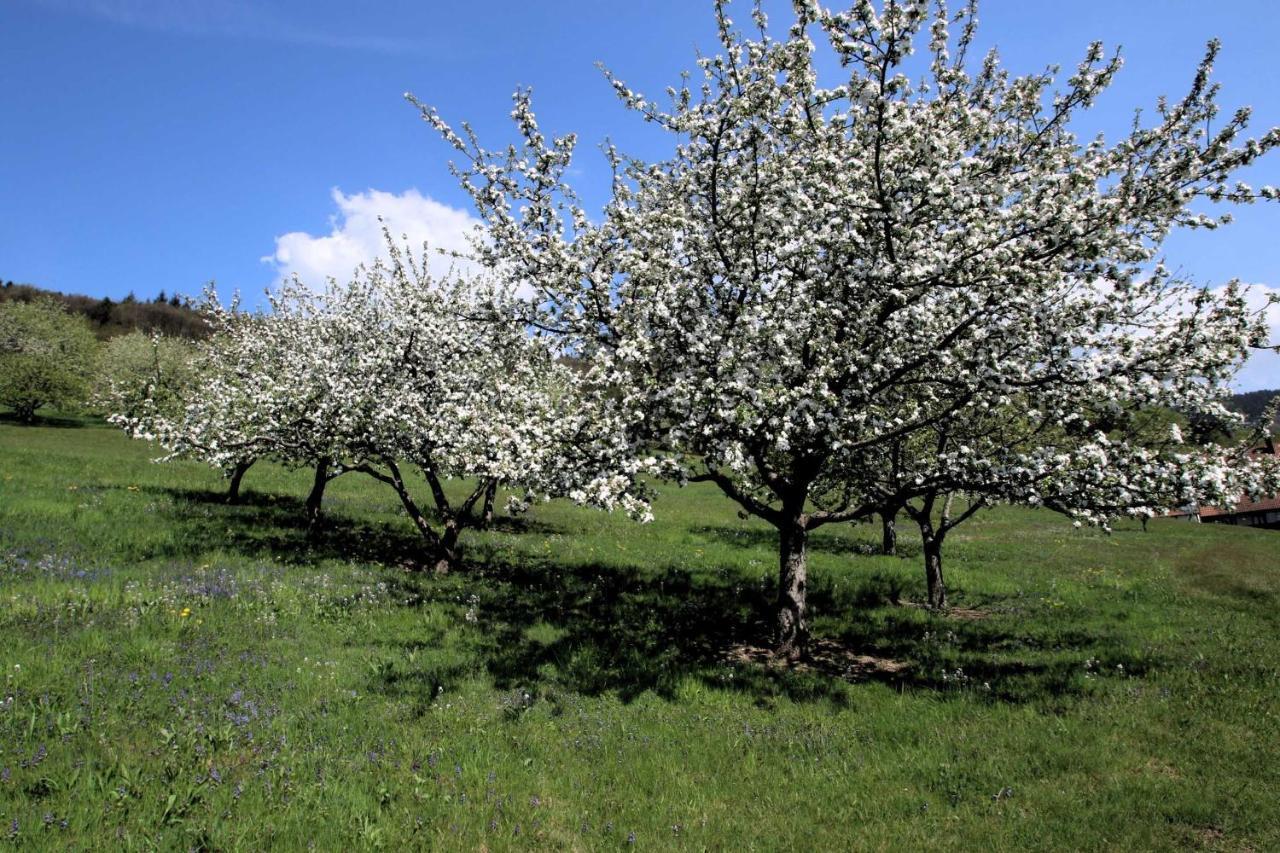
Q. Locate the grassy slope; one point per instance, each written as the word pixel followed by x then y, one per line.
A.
pixel 571 690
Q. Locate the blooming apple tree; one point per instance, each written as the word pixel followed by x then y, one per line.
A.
pixel 226 416
pixel 444 377
pixel 821 270
pixel 392 370
pixel 140 372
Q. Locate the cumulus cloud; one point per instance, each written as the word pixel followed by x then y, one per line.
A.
pixel 356 236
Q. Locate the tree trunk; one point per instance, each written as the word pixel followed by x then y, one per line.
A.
pixel 932 542
pixel 793 614
pixel 237 474
pixel 889 533
pixel 447 552
pixel 26 412
pixel 316 497
pixel 486 516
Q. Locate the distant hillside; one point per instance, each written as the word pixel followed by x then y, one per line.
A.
pixel 169 315
pixel 1251 403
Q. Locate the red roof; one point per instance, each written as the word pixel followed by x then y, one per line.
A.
pixel 1264 505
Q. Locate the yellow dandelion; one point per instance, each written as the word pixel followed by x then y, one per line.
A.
pixel 186 611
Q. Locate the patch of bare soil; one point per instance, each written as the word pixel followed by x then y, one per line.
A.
pixel 825 656
pixel 1156 767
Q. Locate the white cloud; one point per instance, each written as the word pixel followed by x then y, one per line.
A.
pixel 356 236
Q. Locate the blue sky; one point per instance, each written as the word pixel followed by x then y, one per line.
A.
pixel 159 144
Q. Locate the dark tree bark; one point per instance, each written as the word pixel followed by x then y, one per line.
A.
pixel 888 532
pixel 447 553
pixel 26 412
pixel 793 581
pixel 237 474
pixel 486 516
pixel 446 550
pixel 793 524
pixel 931 539
pixel 316 498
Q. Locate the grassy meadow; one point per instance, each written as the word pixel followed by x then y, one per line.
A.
pixel 178 673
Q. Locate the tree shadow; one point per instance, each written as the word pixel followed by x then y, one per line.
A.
pixel 542 628
pixel 52 421
pixel 542 625
pixel 267 525
pixel 826 542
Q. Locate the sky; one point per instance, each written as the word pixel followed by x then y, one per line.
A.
pixel 150 145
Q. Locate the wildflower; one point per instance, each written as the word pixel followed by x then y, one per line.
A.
pixel 186 611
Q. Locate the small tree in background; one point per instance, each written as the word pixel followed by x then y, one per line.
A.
pixel 227 420
pixel 46 357
pixel 140 372
pixel 1118 462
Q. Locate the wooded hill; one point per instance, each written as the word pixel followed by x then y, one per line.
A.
pixel 1253 403
pixel 169 315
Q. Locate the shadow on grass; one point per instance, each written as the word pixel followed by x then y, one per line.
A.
pixel 542 626
pixel 52 421
pixel 268 525
pixel 826 543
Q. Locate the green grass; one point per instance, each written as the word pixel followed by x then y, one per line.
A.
pixel 570 689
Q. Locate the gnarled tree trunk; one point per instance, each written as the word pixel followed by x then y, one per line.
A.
pixel 447 551
pixel 237 474
pixel 888 532
pixel 316 497
pixel 486 516
pixel 931 540
pixel 793 581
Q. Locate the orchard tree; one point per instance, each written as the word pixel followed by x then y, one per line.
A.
pixel 139 372
pixel 46 356
pixel 443 376
pixel 232 415
pixel 1132 461
pixel 822 269
pixel 393 371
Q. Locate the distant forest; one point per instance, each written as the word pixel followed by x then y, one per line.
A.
pixel 169 315
pixel 1252 403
